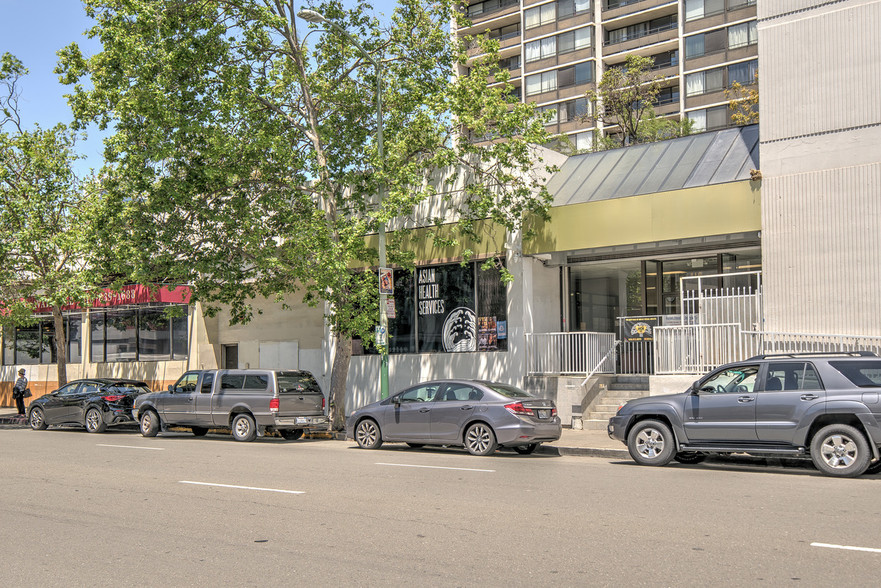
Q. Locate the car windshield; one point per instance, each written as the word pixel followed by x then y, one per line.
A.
pixel 297 382
pixel 130 388
pixel 863 373
pixel 509 391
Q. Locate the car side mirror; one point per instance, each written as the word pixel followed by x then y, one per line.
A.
pixel 171 388
pixel 397 400
pixel 694 387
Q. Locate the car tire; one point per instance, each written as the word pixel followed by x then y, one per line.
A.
pixel 243 427
pixel 200 431
pixel 841 451
pixel 651 443
pixel 37 419
pixel 94 421
pixel 874 468
pixel 526 449
pixel 149 423
pixel 368 435
pixel 291 434
pixel 480 439
pixel 688 457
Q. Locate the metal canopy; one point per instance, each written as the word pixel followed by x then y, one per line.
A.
pixel 704 159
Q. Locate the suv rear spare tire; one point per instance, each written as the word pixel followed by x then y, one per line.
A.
pixel 840 450
pixel 651 443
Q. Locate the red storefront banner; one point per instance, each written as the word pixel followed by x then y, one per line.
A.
pixel 138 294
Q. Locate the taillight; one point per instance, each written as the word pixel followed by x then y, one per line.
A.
pixel 323 402
pixel 273 405
pixel 114 397
pixel 517 408
pixel 554 411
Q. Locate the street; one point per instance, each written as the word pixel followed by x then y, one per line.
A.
pixel 119 509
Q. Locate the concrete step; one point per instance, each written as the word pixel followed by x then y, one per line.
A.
pixel 595 424
pixel 606 407
pixel 626 394
pixel 629 386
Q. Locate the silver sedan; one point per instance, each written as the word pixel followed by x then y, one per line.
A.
pixel 481 416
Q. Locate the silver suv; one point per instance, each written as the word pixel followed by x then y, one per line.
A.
pixel 826 407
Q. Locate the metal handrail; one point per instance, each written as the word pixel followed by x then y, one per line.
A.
pixel 601 362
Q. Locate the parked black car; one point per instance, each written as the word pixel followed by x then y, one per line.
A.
pixel 823 406
pixel 95 403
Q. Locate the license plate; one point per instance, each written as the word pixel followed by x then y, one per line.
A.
pixel 303 421
pixel 544 414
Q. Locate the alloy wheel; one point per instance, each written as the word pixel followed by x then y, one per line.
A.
pixel 367 434
pixel 838 451
pixel 650 443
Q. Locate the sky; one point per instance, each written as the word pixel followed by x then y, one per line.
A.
pixel 34 31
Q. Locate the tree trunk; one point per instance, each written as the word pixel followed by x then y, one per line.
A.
pixel 60 345
pixel 338 376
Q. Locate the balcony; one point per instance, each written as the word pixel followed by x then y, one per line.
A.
pixel 615 9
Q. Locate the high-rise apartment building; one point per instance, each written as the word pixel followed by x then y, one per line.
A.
pixel 557 50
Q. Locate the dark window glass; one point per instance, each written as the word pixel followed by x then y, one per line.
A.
pixel 717 117
pixel 187 383
pixel 47 342
pixel 207 381
pixel 863 373
pixel 97 336
pixel 296 382
pixel 179 337
pixel 121 333
pixel 401 329
pixel 492 318
pixel 154 335
pixel 256 382
pixel 792 376
pixel 445 308
pixel 420 393
pixel 742 73
pixel 459 393
pixel 75 339
pixel 694 46
pixel 715 41
pixel 509 391
pixel 231 382
pixel 27 345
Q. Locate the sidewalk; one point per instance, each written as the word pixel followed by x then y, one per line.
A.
pixel 573 442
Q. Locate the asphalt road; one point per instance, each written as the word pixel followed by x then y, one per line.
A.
pixel 119 509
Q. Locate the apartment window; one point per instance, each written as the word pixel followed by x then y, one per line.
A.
pixel 641 29
pixel 574 109
pixel 581 73
pixel 705 43
pixel 666 59
pixel 551 119
pixel 505 32
pixel 567 8
pixel 743 73
pixel 704 82
pixel 510 63
pixel 540 83
pixel 541 49
pixel 743 34
pixel 574 40
pixel 667 96
pixel 582 141
pixel 709 119
pixel 489 6
pixel 541 15
pixel 695 9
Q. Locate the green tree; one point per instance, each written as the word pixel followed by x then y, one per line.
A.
pixel 743 102
pixel 625 97
pixel 244 160
pixel 46 213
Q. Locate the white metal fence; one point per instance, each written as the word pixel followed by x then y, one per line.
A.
pixel 569 353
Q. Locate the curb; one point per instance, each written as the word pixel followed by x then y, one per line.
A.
pixel 584 452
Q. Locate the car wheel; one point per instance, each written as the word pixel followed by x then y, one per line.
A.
pixel 874 468
pixel 368 435
pixel 690 457
pixel 149 423
pixel 840 450
pixel 291 434
pixel 526 449
pixel 244 428
pixel 651 443
pixel 480 439
pixel 200 431
pixel 36 419
pixel 416 445
pixel 94 421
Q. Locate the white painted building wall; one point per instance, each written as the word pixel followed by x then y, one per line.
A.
pixel 820 107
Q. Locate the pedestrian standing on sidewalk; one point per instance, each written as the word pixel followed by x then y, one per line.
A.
pixel 21 384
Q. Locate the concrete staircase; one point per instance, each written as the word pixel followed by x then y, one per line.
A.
pixel 618 391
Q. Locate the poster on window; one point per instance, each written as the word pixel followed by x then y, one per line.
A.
pixel 446 316
pixel 487 334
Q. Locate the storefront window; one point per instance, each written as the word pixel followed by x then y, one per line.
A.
pixel 35 344
pixel 144 334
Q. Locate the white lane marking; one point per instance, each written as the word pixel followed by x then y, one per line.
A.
pixel 848 547
pixel 407 465
pixel 242 487
pixel 131 447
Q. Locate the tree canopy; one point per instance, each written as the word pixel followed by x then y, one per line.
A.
pixel 244 161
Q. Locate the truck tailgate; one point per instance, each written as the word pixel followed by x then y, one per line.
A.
pixel 299 395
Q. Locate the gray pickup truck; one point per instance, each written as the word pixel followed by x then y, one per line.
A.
pixel 248 402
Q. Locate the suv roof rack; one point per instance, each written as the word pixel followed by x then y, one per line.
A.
pixel 817 354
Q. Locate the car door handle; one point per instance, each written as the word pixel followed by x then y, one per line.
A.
pixel 424 409
pixel 809 396
pixel 745 399
pixel 466 407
